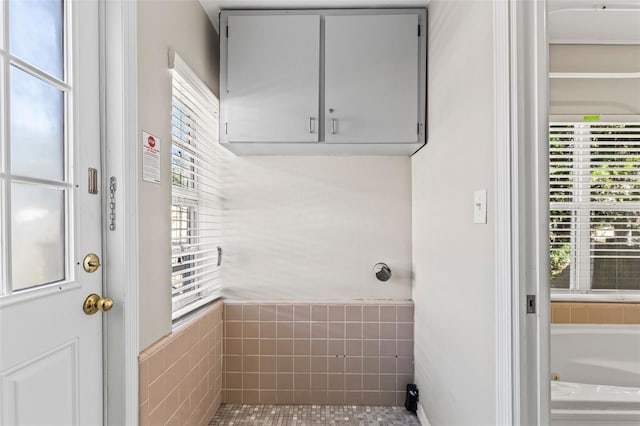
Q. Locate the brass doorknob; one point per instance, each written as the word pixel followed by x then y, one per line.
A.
pixel 94 303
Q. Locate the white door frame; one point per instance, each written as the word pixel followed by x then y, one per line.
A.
pixel 118 56
pixel 521 105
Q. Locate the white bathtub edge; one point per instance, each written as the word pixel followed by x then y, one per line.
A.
pixel 594 417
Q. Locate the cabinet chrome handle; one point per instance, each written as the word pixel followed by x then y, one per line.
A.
pixel 333 126
pixel 311 120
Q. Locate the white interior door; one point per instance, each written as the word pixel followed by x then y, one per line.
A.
pixel 371 78
pixel 272 79
pixel 50 350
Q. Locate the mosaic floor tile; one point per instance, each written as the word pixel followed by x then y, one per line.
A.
pixel 312 415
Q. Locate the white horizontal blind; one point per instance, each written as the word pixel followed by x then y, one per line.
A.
pixel 196 192
pixel 594 194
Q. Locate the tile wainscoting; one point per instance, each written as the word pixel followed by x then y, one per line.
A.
pixel 180 377
pixel 336 353
pixel 595 313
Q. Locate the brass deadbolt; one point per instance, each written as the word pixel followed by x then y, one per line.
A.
pixel 91 262
pixel 94 303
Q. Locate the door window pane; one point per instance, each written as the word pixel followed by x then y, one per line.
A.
pixel 36 33
pixel 37 235
pixel 37 127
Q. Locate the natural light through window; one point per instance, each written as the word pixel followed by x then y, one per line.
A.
pixel 594 183
pixel 196 200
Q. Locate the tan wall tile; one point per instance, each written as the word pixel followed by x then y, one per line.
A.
pixel 632 314
pixel 284 330
pixel 284 347
pixel 387 313
pixel 268 381
pixel 268 397
pixel 370 382
pixel 250 364
pixel 371 313
pixel 319 381
pixel 336 330
pixel 250 380
pixel 267 313
pixel 284 313
pixel 250 396
pixel 302 330
pixel 404 313
pixel 318 397
pixel 268 347
pixel 596 314
pixel 250 330
pixel 250 347
pixel 614 315
pixel 250 312
pixel 353 397
pixel 370 398
pixel 319 313
pixel 319 347
pixel 232 312
pixel 353 365
pixel 267 330
pixel 313 353
pixel 284 381
pixel 336 313
pixel 336 364
pixel 143 381
pixel 319 330
pixel 302 347
pixel 335 397
pixel 301 397
pixel 593 313
pixel 302 312
pixel 285 397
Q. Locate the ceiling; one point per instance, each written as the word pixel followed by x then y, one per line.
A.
pixel 569 21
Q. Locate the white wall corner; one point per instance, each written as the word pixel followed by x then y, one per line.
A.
pixel 422 416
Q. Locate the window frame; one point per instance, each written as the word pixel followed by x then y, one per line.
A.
pixel 195 149
pixel 581 275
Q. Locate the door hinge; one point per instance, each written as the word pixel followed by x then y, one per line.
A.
pixel 531 303
pixel 418 128
pixel 226 128
pixel 112 203
pixel 227 31
pixel 418 30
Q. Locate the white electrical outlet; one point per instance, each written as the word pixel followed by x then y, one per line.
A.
pixel 480 206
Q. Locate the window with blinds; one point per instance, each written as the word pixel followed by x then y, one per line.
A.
pixel 594 195
pixel 196 197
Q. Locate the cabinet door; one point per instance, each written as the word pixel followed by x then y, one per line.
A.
pixel 272 85
pixel 371 80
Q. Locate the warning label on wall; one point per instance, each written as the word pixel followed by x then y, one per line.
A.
pixel 150 158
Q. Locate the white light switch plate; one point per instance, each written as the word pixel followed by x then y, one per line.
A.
pixel 480 206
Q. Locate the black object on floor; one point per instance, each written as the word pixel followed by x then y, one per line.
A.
pixel 411 403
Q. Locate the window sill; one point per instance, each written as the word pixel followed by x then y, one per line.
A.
pixel 613 297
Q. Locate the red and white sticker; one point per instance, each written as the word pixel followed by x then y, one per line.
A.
pixel 150 158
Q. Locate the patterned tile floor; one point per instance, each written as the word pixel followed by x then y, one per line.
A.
pixel 312 415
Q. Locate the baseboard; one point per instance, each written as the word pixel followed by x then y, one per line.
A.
pixel 422 416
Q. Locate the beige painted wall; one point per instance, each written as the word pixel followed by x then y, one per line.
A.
pixel 183 26
pixel 453 259
pixel 594 96
pixel 313 227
